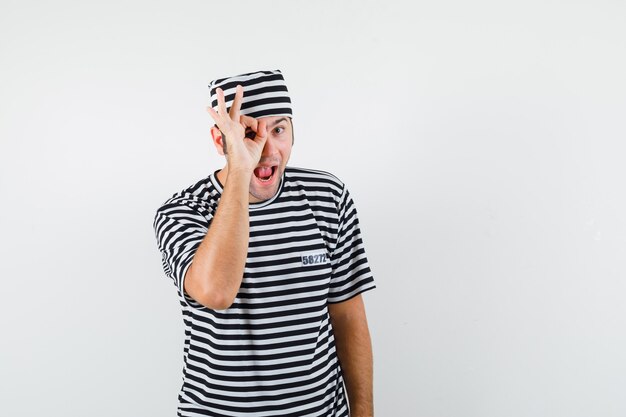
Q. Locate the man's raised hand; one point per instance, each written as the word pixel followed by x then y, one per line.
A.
pixel 243 153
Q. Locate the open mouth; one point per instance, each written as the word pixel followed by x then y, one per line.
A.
pixel 265 173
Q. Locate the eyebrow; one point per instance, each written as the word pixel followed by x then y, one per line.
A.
pixel 282 119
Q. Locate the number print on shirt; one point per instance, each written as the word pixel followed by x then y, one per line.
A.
pixel 314 259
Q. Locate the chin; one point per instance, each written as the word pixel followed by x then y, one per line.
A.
pixel 263 194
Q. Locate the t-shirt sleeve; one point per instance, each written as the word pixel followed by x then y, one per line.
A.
pixel 179 230
pixel 351 274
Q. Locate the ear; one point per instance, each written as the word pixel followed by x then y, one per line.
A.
pixel 218 140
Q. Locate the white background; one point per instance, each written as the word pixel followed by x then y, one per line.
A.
pixel 483 143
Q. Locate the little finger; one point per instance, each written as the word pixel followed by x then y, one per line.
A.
pixel 221 104
pixel 216 117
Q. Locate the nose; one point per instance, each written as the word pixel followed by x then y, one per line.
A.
pixel 270 149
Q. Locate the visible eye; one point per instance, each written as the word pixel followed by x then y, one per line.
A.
pixel 278 130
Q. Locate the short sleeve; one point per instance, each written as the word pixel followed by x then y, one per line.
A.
pixel 351 274
pixel 179 230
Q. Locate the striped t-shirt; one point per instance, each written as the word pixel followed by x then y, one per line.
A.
pixel 272 352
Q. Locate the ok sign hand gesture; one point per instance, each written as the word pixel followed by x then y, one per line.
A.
pixel 243 153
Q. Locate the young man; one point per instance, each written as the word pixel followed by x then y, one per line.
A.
pixel 269 265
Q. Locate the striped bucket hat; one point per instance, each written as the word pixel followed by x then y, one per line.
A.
pixel 264 93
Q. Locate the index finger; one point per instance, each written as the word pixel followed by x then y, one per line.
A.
pixel 250 122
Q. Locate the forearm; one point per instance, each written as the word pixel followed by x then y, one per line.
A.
pixel 215 275
pixel 354 350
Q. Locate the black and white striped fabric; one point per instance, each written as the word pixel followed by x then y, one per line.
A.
pixel 264 93
pixel 272 353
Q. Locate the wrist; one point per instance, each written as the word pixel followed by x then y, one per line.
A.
pixel 239 173
pixel 238 178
